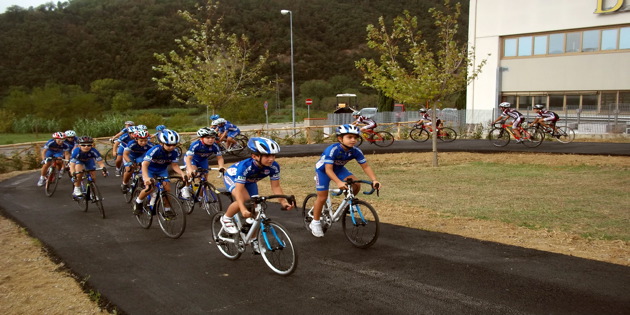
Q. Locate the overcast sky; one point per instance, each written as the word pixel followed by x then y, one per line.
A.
pixel 4 4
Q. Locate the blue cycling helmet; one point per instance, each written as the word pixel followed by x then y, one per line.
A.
pixel 168 136
pixel 214 117
pixel 347 129
pixel 260 145
pixel 160 127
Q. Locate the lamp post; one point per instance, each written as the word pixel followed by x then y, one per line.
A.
pixel 285 12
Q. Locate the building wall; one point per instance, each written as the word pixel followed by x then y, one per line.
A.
pixel 491 19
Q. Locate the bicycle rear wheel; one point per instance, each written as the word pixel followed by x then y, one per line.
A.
pixel 174 225
pixel 307 213
pixel 276 248
pixel 447 134
pixel 97 198
pixel 383 138
pixel 187 203
pixel 565 134
pixel 360 224
pixel 534 139
pixel 110 159
pixel 499 137
pixel 131 190
pixel 145 218
pixel 226 243
pixel 210 200
pixel 51 181
pixel 360 139
pixel 81 200
pixel 419 135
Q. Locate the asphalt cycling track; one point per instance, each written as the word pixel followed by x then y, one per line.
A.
pixel 407 271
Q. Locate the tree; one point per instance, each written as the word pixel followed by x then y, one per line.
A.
pixel 212 67
pixel 412 71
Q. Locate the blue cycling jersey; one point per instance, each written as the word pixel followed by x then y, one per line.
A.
pixel 79 156
pixel 229 127
pixel 338 157
pixel 53 146
pixel 124 139
pixel 136 150
pixel 200 151
pixel 246 171
pixel 160 159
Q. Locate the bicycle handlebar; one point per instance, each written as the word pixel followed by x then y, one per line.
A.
pixel 350 181
pixel 261 199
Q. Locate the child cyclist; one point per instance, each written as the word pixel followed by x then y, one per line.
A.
pixel 200 152
pixel 545 117
pixel 241 179
pixel 330 166
pixel 120 144
pixel 155 163
pixel 517 118
pixel 54 148
pixel 85 157
pixel 134 154
pixel 425 119
pixel 227 131
pixel 369 123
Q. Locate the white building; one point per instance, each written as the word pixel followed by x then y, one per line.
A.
pixel 571 55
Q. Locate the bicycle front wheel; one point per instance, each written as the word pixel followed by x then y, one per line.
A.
pixel 130 191
pixel 499 137
pixel 97 198
pixel 173 224
pixel 51 181
pixel 383 138
pixel 144 218
pixel 226 243
pixel 210 200
pixel 447 134
pixel 81 201
pixel 277 249
pixel 419 135
pixel 565 134
pixel 187 203
pixel 110 158
pixel 533 137
pixel 360 224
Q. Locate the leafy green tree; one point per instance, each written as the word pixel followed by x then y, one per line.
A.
pixel 412 71
pixel 212 66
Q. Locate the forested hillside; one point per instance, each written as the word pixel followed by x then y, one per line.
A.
pixel 80 41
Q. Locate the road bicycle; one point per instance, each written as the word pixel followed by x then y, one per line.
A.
pixel 236 148
pixel 380 138
pixel 90 193
pixel 358 218
pixel 421 133
pixel 172 223
pixel 203 192
pixel 135 182
pixel 53 175
pixel 267 238
pixel 501 133
pixel 563 134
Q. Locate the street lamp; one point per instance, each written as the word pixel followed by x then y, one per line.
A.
pixel 285 12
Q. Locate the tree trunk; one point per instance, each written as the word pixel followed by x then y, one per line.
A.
pixel 434 135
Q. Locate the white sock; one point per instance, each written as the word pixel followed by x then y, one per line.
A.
pixel 138 200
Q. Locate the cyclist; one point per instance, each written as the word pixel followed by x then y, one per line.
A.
pixel 425 119
pixel 134 154
pixel 125 129
pixel 214 117
pixel 85 156
pixel 369 123
pixel 241 179
pixel 517 119
pixel 159 129
pixel 200 152
pixel 155 163
pixel 71 138
pixel 545 117
pixel 227 131
pixel 54 148
pixel 120 144
pixel 330 166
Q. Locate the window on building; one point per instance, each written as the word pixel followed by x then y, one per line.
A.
pixel 540 100
pixel 589 102
pixel 573 42
pixel 609 39
pixel 609 98
pixel 556 43
pixel 525 46
pixel 624 38
pixel 510 47
pixel 556 102
pixel 591 41
pixel 573 102
pixel 524 102
pixel 540 45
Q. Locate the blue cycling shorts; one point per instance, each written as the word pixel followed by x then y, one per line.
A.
pixel 322 181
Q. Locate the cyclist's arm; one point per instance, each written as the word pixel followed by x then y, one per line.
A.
pixel 370 173
pixel 126 158
pixel 331 174
pixel 145 173
pixel 175 167
pixel 277 190
pixel 188 163
pixel 220 161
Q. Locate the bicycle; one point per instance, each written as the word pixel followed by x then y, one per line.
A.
pixel 420 133
pixel 204 193
pixel 110 156
pixel 380 138
pixel 563 134
pixel 267 238
pixel 500 134
pixel 237 148
pixel 90 192
pixel 361 227
pixel 172 223
pixel 135 183
pixel 53 175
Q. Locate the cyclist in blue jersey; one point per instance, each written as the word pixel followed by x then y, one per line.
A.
pixel 71 138
pixel 134 154
pixel 200 152
pixel 125 129
pixel 227 131
pixel 159 129
pixel 155 164
pixel 85 156
pixel 331 166
pixel 54 148
pixel 241 179
pixel 517 118
pixel 120 144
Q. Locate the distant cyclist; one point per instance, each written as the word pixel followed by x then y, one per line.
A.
pixel 227 131
pixel 125 129
pixel 134 154
pixel 425 119
pixel 54 148
pixel 545 117
pixel 517 119
pixel 368 123
pixel 85 157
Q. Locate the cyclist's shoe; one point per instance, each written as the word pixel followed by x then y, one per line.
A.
pixel 137 208
pixel 185 192
pixel 255 247
pixel 316 228
pixel 124 188
pixel 118 172
pixel 228 225
pixel 519 140
pixel 41 181
pixel 77 192
pixel 169 213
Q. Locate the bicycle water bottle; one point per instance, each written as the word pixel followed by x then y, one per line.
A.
pixel 247 225
pixel 153 198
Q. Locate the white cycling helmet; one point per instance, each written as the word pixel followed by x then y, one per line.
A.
pixel 206 132
pixel 505 105
pixel 220 121
pixel 142 134
pixel 539 106
pixel 356 113
pixel 347 129
pixel 70 133
pixel 142 127
pixel 260 145
pixel 168 136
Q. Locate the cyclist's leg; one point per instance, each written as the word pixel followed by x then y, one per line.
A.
pixel 516 126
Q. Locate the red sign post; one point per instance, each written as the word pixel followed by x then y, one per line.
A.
pixel 309 102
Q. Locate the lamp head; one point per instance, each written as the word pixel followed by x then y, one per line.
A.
pixel 285 12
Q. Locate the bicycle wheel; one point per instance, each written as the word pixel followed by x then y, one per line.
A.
pixel 187 203
pixel 227 243
pixel 383 138
pixel 419 135
pixel 534 138
pixel 360 224
pixel 276 248
pixel 565 134
pixel 145 218
pixel 173 226
pixel 499 137
pixel 130 191
pixel 360 139
pixel 447 134
pixel 81 201
pixel 51 181
pixel 97 198
pixel 110 159
pixel 210 200
pixel 307 213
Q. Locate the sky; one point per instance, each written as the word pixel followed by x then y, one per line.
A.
pixel 4 4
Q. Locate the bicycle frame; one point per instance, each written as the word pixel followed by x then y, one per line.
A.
pixel 347 201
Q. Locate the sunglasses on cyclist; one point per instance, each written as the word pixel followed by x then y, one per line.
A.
pixel 85 145
pixel 170 145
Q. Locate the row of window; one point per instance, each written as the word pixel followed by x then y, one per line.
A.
pixel 602 101
pixel 568 42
